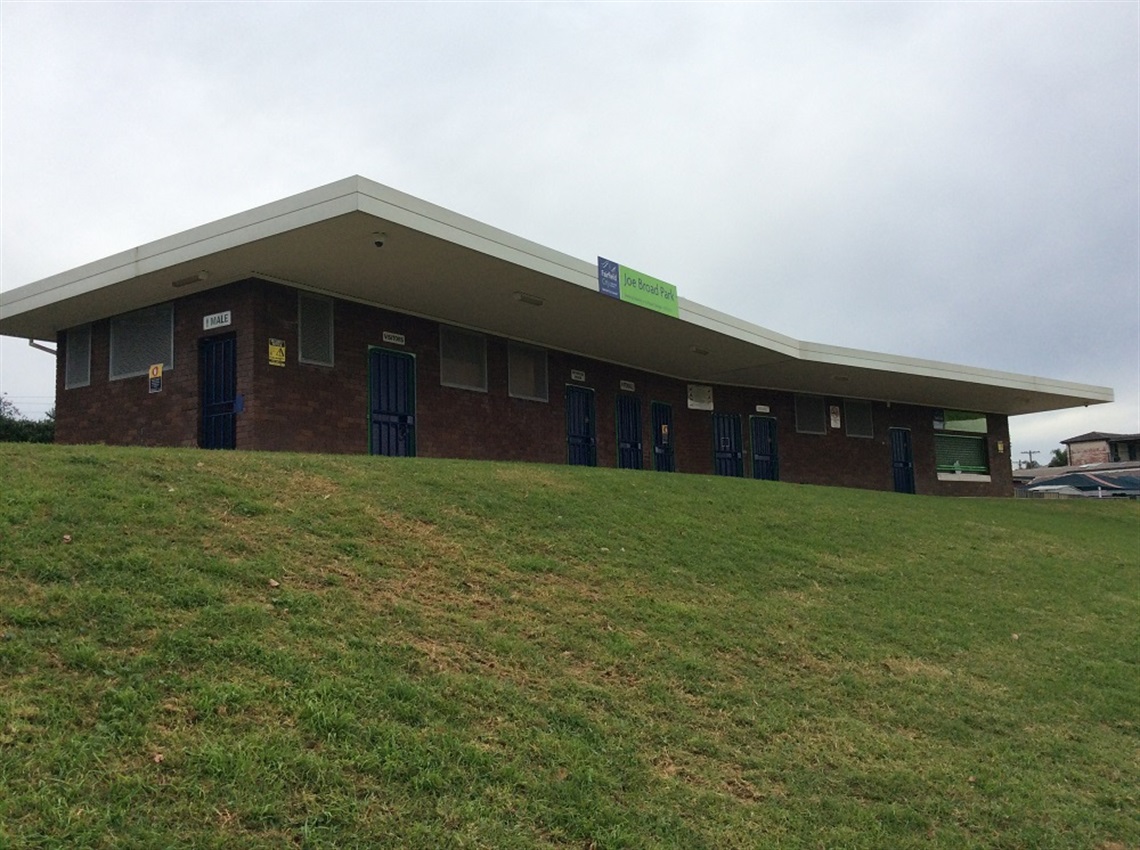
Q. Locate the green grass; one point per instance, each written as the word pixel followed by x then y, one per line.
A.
pixel 262 650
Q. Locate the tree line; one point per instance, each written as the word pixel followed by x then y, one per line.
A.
pixel 15 428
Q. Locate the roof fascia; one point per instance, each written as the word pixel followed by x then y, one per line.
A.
pixel 269 220
pixel 838 356
pixel 358 194
pixel 714 320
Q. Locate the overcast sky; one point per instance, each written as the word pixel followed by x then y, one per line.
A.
pixel 954 181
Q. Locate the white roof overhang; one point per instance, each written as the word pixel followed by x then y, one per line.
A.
pixel 444 266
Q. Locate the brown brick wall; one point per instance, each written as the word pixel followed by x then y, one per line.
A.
pixel 1091 452
pixel 123 411
pixel 301 407
pixel 997 443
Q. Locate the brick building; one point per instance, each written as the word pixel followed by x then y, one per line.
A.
pixel 1099 447
pixel 354 318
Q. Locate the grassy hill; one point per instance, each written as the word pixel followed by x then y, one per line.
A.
pixel 262 651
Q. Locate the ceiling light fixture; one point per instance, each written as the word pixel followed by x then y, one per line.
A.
pixel 194 278
pixel 527 298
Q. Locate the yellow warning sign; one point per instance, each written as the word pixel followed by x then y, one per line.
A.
pixel 276 352
pixel 154 378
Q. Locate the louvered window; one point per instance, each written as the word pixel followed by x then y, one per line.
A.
pixel 527 372
pixel 77 364
pixel 314 329
pixel 462 359
pixel 859 420
pixel 140 340
pixel 811 414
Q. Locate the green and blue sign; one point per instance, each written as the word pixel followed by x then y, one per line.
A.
pixel 629 285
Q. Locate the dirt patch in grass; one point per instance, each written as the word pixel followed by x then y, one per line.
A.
pixel 915 667
pixel 416 534
pixel 530 478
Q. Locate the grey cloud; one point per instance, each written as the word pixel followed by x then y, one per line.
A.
pixel 954 181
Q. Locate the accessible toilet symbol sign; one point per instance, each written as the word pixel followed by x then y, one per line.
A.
pixel 155 378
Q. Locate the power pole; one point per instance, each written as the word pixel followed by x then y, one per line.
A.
pixel 1031 453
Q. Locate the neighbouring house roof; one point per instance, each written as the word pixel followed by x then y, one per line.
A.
pixel 1059 490
pixel 1107 481
pixel 1099 436
pixel 1043 472
pixel 1107 475
pixel 443 266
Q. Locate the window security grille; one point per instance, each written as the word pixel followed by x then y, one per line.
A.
pixel 462 359
pixel 859 419
pixel 811 414
pixel 77 366
pixel 314 330
pixel 526 368
pixel 141 339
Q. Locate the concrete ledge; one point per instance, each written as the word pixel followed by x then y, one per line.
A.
pixel 964 477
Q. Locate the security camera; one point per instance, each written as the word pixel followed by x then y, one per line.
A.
pixel 378 239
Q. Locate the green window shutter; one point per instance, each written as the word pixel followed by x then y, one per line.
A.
pixel 954 453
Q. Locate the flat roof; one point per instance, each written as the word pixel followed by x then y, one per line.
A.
pixel 444 266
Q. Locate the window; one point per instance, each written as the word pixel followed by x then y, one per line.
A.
pixel 314 329
pixel 462 359
pixel 77 363
pixel 960 420
pixel 526 372
pixel 811 414
pixel 859 420
pixel 141 339
pixel 961 452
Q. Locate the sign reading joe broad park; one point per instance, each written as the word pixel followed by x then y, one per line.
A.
pixel 627 284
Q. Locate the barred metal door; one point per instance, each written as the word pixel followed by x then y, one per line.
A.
pixel 765 457
pixel 392 393
pixel 902 460
pixel 217 377
pixel 581 435
pixel 629 431
pixel 728 454
pixel 664 457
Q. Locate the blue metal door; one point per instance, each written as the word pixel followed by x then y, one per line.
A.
pixel 902 460
pixel 728 455
pixel 217 378
pixel 581 436
pixel 664 458
pixel 765 457
pixel 629 431
pixel 392 394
